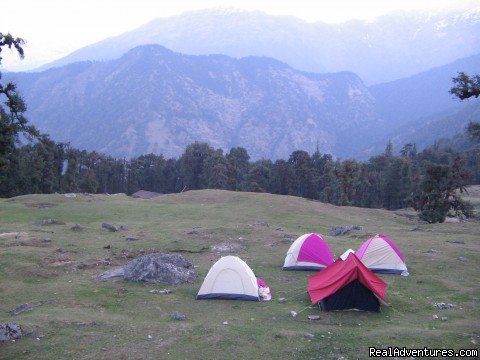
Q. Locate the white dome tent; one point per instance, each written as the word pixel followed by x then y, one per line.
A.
pixel 229 278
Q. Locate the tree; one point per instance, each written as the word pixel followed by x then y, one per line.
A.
pixel 12 121
pixel 438 195
pixel 466 87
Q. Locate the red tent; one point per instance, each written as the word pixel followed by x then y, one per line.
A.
pixel 347 284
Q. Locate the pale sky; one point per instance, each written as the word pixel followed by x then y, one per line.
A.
pixel 54 28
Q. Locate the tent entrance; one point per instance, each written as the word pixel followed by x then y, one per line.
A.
pixel 353 296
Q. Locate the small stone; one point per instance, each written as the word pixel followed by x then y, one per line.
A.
pixel 109 227
pixel 435 317
pixel 179 316
pixel 76 227
pixel 293 313
pixel 313 317
pixel 444 318
pixel 261 223
pixel 310 336
pixel 132 238
pixel 149 337
pixel 462 258
pixel 225 323
pixel 19 309
pixel 107 246
pixel 46 240
pixel 162 292
pixel 124 227
pixel 281 300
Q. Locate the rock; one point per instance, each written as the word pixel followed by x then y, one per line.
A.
pixel 10 331
pixel 111 275
pixel 162 292
pixel 178 316
pixel 308 335
pixel 227 247
pixel 107 246
pixel 281 300
pixel 455 241
pixel 76 227
pixel 461 258
pixel 443 306
pixel 279 229
pixel 109 227
pixel 70 195
pixel 160 268
pixel 48 222
pixel 343 230
pixel 194 231
pixel 19 309
pixel 452 220
pixel 444 318
pixel 132 238
pixel 313 317
pixel 293 313
pixel 14 235
pixel 225 323
pixel 123 227
pixel 46 240
pixel 431 251
pixel 261 223
pixel 435 317
pixel 416 228
pixel 287 239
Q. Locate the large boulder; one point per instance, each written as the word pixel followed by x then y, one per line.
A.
pixel 10 331
pixel 157 268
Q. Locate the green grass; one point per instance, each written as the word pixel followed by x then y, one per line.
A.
pixel 92 320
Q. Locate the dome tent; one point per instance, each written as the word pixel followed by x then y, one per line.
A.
pixel 347 285
pixel 308 252
pixel 381 255
pixel 229 278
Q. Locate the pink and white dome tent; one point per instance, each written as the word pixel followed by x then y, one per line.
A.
pixel 381 255
pixel 308 252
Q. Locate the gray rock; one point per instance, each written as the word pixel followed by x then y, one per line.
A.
pixel 443 306
pixel 313 317
pixel 132 238
pixel 112 275
pixel 310 336
pixel 444 318
pixel 455 241
pixel 343 230
pixel 161 292
pixel 227 247
pixel 124 227
pixel 76 227
pixel 48 222
pixel 160 268
pixel 109 227
pixel 462 258
pixel 10 331
pixel 178 316
pixel 281 300
pixel 19 309
pixel 261 223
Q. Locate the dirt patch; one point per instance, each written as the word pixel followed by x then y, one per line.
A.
pixel 40 205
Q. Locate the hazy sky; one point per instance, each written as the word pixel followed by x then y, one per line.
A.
pixel 54 28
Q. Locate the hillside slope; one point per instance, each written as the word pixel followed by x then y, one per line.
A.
pixel 90 319
pixel 156 100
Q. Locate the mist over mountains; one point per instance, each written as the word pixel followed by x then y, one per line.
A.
pixel 393 46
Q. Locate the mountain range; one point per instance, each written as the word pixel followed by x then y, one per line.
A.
pixel 394 46
pixel 155 100
pixel 128 100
